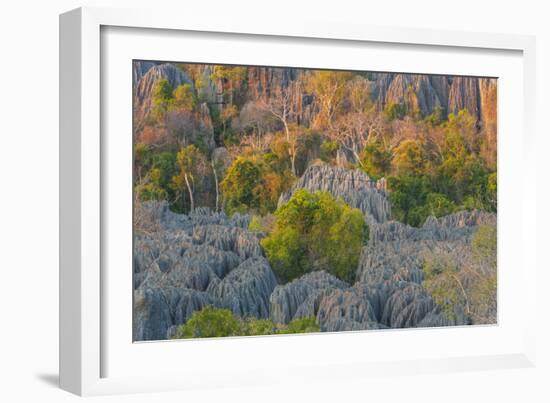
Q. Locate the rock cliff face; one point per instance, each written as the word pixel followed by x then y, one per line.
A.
pixel 419 93
pixel 425 93
pixel 464 93
pixel 147 76
pixel 354 187
pixel 139 69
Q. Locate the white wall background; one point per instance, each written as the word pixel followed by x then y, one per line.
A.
pixel 29 197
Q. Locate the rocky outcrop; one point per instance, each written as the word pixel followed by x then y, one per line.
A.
pixel 192 261
pixel 424 93
pixel 157 310
pixel 345 309
pixel 246 289
pixel 228 238
pixel 145 85
pixel 208 259
pixel 139 68
pixel 391 263
pixel 335 305
pixel 353 186
pixel 172 223
pixel 452 227
pixel 464 94
pixel 297 298
pixel 488 100
pixel 414 91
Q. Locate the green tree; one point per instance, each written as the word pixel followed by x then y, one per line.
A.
pixel 376 160
pixel 232 79
pixel 436 118
pixel 252 184
pixel 442 281
pixel 407 197
pixel 183 98
pixel 257 327
pixel 188 160
pixel 410 158
pixel 242 183
pixel 142 159
pixel 210 322
pixel 492 191
pixel 228 113
pixel 329 91
pixel 302 325
pixel 156 183
pixel 328 150
pixel 220 322
pixel 439 205
pixel 149 188
pixel 162 99
pixel 393 111
pixel 314 231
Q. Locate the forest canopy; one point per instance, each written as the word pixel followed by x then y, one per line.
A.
pixel 271 124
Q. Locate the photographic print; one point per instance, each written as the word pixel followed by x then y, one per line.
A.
pixel 276 200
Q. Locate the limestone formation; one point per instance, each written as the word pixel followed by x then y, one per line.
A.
pixel 209 259
pixel 156 310
pixel 424 93
pixel 144 90
pixel 296 298
pixel 192 261
pixel 464 94
pixel 353 186
pixel 246 289
pixel 391 263
pixel 228 238
pixel 139 69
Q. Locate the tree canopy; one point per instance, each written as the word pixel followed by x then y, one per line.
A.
pixel 315 231
pixel 220 322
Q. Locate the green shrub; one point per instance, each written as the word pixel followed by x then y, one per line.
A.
pixel 302 325
pixel 219 322
pixel 314 231
pixel 210 322
pixel 328 150
pixel 251 184
pixel 376 160
pixel 257 327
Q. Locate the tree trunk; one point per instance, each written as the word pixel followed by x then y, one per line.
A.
pixel 291 150
pixel 190 193
pixel 217 185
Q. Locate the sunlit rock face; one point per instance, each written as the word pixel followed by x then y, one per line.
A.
pixel 148 76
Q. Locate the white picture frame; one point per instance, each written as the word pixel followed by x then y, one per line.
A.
pixel 85 344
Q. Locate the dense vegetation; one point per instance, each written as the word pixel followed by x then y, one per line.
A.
pixel 218 322
pixel 314 231
pixel 434 165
